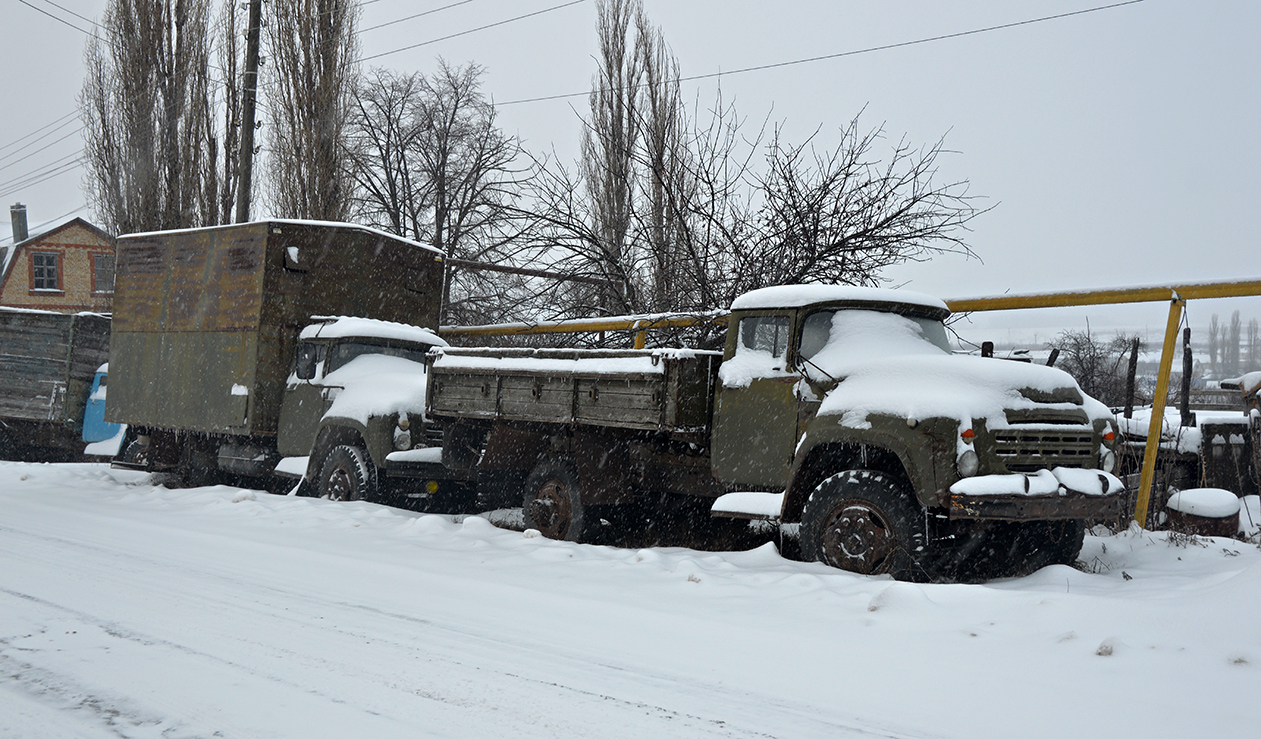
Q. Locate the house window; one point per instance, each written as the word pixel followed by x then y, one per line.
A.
pixel 102 273
pixel 45 274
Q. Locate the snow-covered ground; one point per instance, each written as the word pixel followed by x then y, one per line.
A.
pixel 129 610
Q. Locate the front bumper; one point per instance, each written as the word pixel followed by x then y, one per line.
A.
pixel 1057 494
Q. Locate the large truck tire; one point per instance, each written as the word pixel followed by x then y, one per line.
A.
pixel 347 474
pixel 864 522
pixel 553 501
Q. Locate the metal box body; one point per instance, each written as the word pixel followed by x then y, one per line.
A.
pixel 207 320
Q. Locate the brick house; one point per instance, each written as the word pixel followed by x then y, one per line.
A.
pixel 68 268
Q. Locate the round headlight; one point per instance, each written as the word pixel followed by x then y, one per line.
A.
pixel 967 463
pixel 402 439
pixel 1107 460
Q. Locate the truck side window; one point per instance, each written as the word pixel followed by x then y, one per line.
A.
pixel 815 331
pixel 764 334
pixel 309 356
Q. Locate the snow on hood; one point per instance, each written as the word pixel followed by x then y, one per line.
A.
pixel 888 366
pixel 340 327
pixel 377 385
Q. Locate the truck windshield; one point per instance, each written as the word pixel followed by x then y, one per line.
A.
pixel 343 351
pixel 849 333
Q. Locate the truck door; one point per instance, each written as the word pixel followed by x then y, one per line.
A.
pixel 755 411
pixel 304 402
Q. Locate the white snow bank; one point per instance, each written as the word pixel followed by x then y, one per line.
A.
pixel 340 327
pixel 292 466
pixel 760 505
pixel 1060 480
pixel 794 296
pixel 1204 502
pixel 377 385
pixel 585 362
pixel 427 455
pixel 1247 384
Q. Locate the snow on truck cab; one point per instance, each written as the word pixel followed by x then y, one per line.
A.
pixel 354 401
pixel 840 409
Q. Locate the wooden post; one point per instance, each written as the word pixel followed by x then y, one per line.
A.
pixel 1158 411
pixel 1184 407
pixel 1129 379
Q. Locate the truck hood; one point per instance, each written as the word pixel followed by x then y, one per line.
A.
pixel 377 385
pixel 922 386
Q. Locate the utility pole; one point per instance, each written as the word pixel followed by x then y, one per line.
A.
pixel 248 103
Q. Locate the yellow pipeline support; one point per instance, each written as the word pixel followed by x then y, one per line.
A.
pixel 1112 296
pixel 1158 410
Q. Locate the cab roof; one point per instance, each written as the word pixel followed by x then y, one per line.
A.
pixel 796 296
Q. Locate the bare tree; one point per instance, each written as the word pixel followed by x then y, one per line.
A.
pixel 608 149
pixel 431 163
pixel 383 137
pixel 1254 346
pixel 1233 340
pixel 1214 342
pixel 313 49
pixel 1099 367
pixel 148 111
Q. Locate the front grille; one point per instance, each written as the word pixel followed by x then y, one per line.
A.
pixel 432 434
pixel 1024 450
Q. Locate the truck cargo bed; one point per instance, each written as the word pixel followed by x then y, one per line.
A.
pixel 664 390
pixel 47 361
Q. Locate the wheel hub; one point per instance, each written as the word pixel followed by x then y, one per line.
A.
pixel 857 538
pixel 550 510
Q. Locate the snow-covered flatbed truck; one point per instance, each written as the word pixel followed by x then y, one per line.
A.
pixel 229 356
pixel 839 409
pixel 47 363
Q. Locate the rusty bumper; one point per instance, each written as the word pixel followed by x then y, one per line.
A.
pixel 1032 508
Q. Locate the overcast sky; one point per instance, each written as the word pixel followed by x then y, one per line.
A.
pixel 1118 147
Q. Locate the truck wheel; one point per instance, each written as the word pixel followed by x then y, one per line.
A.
pixel 553 502
pixel 863 522
pixel 347 474
pixel 137 453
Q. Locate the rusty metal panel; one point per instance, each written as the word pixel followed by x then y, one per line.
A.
pixel 537 398
pixel 633 402
pixel 465 394
pixel 207 319
pixel 47 361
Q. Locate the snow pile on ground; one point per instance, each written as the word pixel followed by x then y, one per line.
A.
pixel 131 610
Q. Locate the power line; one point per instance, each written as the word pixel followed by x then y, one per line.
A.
pixel 59 20
pixel 38 177
pixel 474 30
pixel 71 12
pixel 41 128
pixel 838 55
pixel 410 17
pixel 42 148
pixel 38 170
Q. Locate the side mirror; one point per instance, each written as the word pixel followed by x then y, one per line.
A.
pixel 308 358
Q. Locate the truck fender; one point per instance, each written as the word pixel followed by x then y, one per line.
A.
pixel 828 448
pixel 336 431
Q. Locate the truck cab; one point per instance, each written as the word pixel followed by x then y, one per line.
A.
pixel 355 396
pixel 849 405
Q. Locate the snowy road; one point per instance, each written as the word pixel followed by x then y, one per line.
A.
pixel 137 611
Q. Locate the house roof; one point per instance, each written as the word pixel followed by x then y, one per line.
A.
pixel 7 257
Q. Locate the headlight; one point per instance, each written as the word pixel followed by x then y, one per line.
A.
pixel 402 439
pixel 1107 460
pixel 967 463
